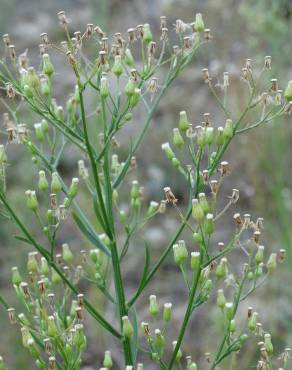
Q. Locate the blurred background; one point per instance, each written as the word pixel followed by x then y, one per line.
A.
pixel 261 163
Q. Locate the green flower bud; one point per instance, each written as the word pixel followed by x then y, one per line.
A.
pixel 268 344
pixel 203 202
pixel 16 278
pixel 220 139
pixel 73 190
pixel 221 270
pixel 197 237
pixel 259 270
pixel 168 151
pixel 184 123
pixel 178 140
pixel 221 300
pixel 77 95
pixel 32 264
pixel 44 268
pixel 128 116
pixel 108 362
pixel 229 310
pixel 28 91
pixel 45 87
pixel 23 319
pixel 51 327
pixel 56 185
pixel 288 91
pixel 175 162
pixel 66 253
pixel 130 88
pixel 179 352
pixel 123 216
pixel 232 326
pixel 135 190
pixel 26 336
pixel 135 98
pixel 104 86
pixel 39 133
pixel 140 367
pixel 128 58
pixel 95 256
pixel 153 207
pixel 209 135
pixel 31 200
pixel 79 338
pixel 55 277
pixel 159 340
pixel 32 78
pixel 197 211
pixel 147 36
pixel 252 321
pixel 243 338
pixel 228 129
pixel 195 260
pixel 33 349
pixel 128 330
pixel 43 184
pixel 250 275
pixel 193 366
pixel 153 306
pixel 3 157
pixel 209 225
pixel 48 68
pixel 167 313
pixel 2 365
pixel 117 67
pixel 199 25
pixel 260 254
pixel 67 202
pixel 180 252
pixel 272 262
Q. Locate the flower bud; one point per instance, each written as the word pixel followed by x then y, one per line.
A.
pixel 43 184
pixel 2 365
pixel 31 200
pixel 32 78
pixel 195 261
pixel 128 58
pixel 252 321
pixel 55 277
pixel 179 352
pixel 260 254
pixel 288 91
pixel 209 225
pixel 272 262
pixel 79 337
pixel 104 86
pixel 197 237
pixel 130 88
pixel 197 211
pixel 44 267
pixel 232 326
pixel 167 314
pixel 117 68
pixel 220 139
pixel 135 98
pixel 221 300
pixel 135 190
pixel 39 133
pixel 48 68
pixel 32 264
pixel 178 140
pixel 56 185
pixel 52 329
pixel 209 135
pixel 153 306
pixel 159 340
pixel 16 278
pixel 147 36
pixel 193 366
pixel 268 344
pixel 128 330
pixel 221 269
pixel 228 129
pixel 153 208
pixel 45 87
pixel 26 336
pixel 66 253
pixel 199 25
pixel 180 252
pixel 108 362
pixel 184 123
pixel 168 151
pixel 73 189
pixel 229 310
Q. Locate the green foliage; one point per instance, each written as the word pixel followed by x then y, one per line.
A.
pixel 54 287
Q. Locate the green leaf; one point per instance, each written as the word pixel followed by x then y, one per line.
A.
pixel 90 234
pixel 135 335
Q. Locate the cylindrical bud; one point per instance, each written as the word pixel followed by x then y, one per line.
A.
pixel 153 305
